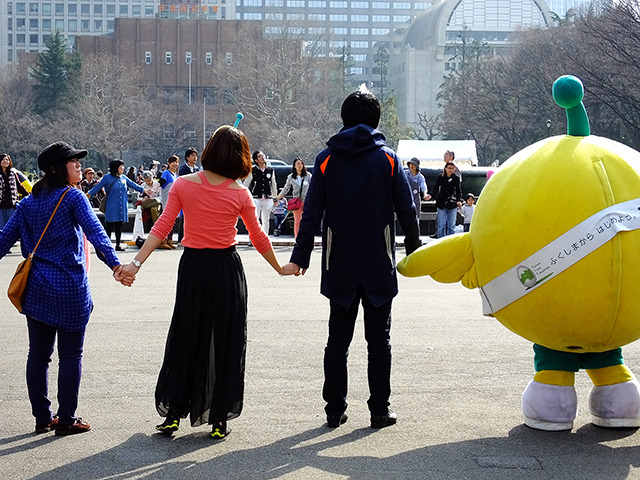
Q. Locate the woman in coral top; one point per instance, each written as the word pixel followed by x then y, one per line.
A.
pixel 202 374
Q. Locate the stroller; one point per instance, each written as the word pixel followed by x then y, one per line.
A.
pixel 280 216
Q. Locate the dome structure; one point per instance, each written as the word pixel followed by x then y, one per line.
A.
pixel 430 45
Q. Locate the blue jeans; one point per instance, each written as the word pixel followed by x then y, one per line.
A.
pixel 70 347
pixel 5 215
pixel 377 332
pixel 446 221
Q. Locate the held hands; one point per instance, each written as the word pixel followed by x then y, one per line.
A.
pixel 130 270
pixel 122 276
pixel 293 269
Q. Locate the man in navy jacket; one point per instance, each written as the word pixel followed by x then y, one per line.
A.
pixel 356 187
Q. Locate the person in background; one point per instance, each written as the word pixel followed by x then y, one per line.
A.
pixel 116 185
pixel 58 300
pixel 358 171
pixel 88 182
pixel 131 173
pixel 448 196
pixel 279 214
pixel 298 181
pixel 262 185
pixel 151 195
pixel 418 184
pixel 467 210
pixel 202 374
pixel 190 158
pixel 10 188
pixel 169 175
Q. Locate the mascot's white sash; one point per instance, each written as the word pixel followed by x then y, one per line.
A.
pixel 559 255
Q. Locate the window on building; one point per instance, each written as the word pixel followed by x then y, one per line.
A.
pixel 136 11
pixel 46 24
pixel 147 57
pixel 168 95
pixel 46 38
pixel 338 18
pixel 33 8
pixel 21 8
pixel 188 58
pixel 97 25
pixel 336 4
pixel 384 5
pixel 21 24
pixel 111 10
pixel 110 25
pixel 85 9
pixel 167 58
pixel 10 8
pixel 149 11
pixel 359 18
pixel 72 9
pixel 20 39
pixel 189 134
pixel 46 9
pixel 402 5
pixel 10 40
pixel 60 25
pixel 229 58
pixel 10 23
pixel 208 58
pixel 84 25
pixel 72 25
pixel 98 9
pixel 380 18
pixel 33 39
pixel 124 10
pixel 59 8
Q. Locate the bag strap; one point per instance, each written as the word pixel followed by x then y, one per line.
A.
pixel 111 186
pixel 50 218
pixel 301 185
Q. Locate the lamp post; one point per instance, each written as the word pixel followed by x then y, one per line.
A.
pixel 204 122
pixel 187 60
pixel 548 127
pixel 468 134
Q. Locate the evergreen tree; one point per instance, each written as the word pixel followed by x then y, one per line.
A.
pixel 55 75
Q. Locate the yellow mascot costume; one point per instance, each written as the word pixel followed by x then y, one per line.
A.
pixel 559 270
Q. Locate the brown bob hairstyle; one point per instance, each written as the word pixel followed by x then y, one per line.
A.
pixel 6 155
pixel 227 153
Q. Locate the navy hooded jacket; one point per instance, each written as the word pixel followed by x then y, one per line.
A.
pixel 356 186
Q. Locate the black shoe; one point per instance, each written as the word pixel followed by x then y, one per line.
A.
pixel 169 426
pixel 334 421
pixel 220 430
pixel 119 248
pixel 381 421
pixel 435 235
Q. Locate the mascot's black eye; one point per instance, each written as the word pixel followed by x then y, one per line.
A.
pixel 573 347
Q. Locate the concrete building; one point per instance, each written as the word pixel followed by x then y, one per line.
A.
pixel 417 72
pixel 351 29
pixel 25 26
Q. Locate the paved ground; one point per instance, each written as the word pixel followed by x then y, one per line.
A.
pixel 457 381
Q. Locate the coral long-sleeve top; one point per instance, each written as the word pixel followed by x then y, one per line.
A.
pixel 211 214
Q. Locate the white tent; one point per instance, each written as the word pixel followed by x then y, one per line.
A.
pixel 431 152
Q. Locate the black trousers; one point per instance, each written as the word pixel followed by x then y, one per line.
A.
pixel 377 329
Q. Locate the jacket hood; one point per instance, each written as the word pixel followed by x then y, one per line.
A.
pixel 356 140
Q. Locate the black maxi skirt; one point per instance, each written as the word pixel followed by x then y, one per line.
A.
pixel 202 374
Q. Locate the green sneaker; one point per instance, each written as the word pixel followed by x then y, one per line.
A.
pixel 220 430
pixel 169 426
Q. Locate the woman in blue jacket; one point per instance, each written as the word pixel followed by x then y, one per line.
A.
pixel 116 185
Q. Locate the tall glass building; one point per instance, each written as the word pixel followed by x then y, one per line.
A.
pixel 353 30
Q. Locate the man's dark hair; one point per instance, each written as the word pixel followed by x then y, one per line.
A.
pixel 360 107
pixel 189 151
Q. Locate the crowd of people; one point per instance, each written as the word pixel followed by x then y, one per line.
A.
pixel 202 374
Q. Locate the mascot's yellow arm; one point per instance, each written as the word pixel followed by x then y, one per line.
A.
pixel 447 260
